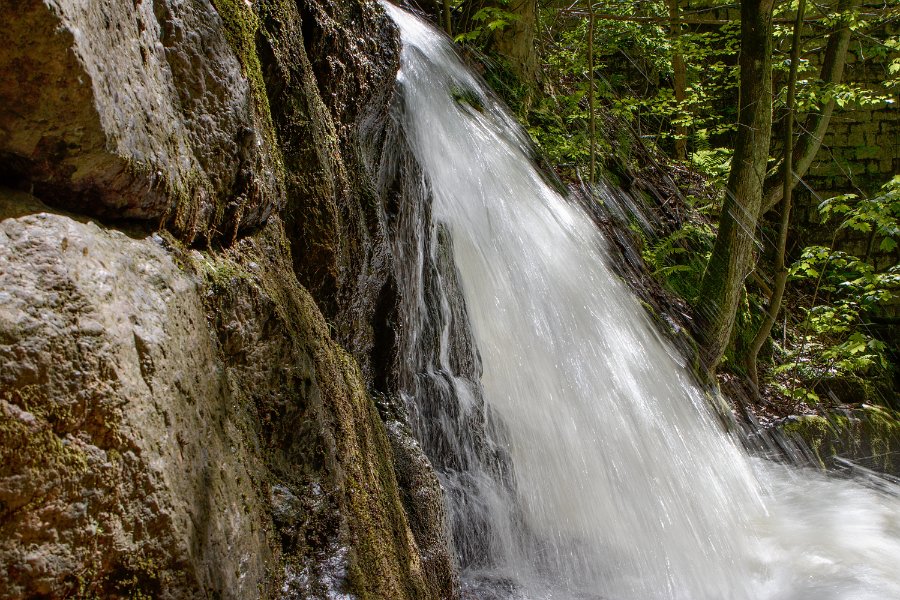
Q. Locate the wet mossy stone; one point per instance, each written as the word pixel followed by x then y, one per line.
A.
pixel 867 435
pixel 466 96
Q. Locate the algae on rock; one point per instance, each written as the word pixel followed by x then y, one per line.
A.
pixel 179 416
pixel 868 435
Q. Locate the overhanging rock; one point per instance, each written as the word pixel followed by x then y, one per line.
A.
pixel 138 110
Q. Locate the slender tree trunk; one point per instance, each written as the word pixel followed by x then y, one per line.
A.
pixel 448 23
pixel 788 182
pixel 816 125
pixel 592 116
pixel 679 76
pixel 516 41
pixel 730 261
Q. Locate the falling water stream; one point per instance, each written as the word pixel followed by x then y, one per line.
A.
pixel 577 457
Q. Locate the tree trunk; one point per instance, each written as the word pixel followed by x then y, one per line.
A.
pixel 781 272
pixel 448 22
pixel 679 76
pixel 816 125
pixel 516 41
pixel 729 263
pixel 591 107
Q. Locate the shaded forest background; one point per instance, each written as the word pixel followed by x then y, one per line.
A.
pixel 689 106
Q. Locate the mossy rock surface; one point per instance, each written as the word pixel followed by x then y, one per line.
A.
pixel 151 114
pixel 123 472
pixel 206 436
pixel 868 435
pixel 336 502
pixel 213 409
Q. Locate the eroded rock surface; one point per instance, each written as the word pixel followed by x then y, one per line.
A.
pixel 136 110
pixel 124 465
pixel 186 386
pixel 181 424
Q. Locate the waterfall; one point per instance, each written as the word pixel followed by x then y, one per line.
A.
pixel 576 455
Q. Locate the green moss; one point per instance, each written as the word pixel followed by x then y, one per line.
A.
pixel 137 578
pixel 178 252
pixel 223 268
pixel 382 561
pixel 869 435
pixel 379 523
pixel 32 444
pixel 467 97
pixel 816 431
pixel 241 28
pixel 881 426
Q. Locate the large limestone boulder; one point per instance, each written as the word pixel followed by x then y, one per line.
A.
pixel 138 110
pixel 189 412
pixel 181 424
pixel 124 467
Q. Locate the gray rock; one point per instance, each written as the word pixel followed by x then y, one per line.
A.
pixel 179 421
pixel 123 464
pixel 178 425
pixel 136 110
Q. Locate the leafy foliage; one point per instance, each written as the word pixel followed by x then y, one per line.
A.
pixel 833 293
pixel 679 258
pixel 835 341
pixel 638 59
pixel 486 20
pixel 878 215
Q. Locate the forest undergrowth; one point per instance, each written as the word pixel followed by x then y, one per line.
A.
pixel 628 96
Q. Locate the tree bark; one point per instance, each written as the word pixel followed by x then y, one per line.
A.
pixel 679 77
pixel 816 125
pixel 781 272
pixel 591 107
pixel 516 41
pixel 729 263
pixel 448 21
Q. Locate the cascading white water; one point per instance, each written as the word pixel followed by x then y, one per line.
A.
pixel 610 477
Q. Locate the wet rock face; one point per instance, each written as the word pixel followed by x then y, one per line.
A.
pixel 329 70
pixel 176 417
pixel 207 116
pixel 138 110
pixel 335 500
pixel 866 437
pixel 123 467
pixel 181 425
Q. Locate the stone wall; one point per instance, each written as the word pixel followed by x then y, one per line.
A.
pixel 860 152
